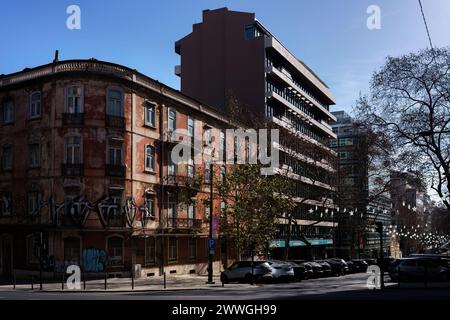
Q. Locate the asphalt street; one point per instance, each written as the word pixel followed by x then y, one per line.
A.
pixel 347 287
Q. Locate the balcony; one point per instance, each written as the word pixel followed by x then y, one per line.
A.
pixel 114 170
pixel 72 169
pixel 175 137
pixel 115 122
pixel 73 119
pixel 183 223
pixel 181 181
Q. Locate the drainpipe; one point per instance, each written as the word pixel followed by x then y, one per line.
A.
pixel 161 185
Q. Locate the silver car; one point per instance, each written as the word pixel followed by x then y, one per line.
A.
pixel 282 271
pixel 241 271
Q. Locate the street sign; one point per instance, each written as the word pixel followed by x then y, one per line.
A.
pixel 212 245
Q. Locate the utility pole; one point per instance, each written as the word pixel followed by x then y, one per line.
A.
pixel 210 238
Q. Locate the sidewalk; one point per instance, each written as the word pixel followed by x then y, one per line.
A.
pixel 175 282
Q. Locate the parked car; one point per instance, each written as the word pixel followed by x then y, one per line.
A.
pixel 338 266
pixel 327 270
pixel 317 269
pixel 352 267
pixel 282 271
pixel 309 272
pixel 385 263
pixel 420 269
pixel 371 262
pixel 361 265
pixel 299 271
pixel 241 271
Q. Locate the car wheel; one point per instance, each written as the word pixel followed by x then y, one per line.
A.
pixel 224 278
pixel 248 278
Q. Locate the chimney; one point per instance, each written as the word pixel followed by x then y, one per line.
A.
pixel 56 59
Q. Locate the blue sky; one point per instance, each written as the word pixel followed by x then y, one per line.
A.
pixel 330 36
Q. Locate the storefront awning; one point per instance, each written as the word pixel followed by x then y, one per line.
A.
pixel 299 243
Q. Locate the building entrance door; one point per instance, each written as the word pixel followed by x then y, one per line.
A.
pixel 6 255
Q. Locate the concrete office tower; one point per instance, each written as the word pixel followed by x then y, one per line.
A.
pixel 232 55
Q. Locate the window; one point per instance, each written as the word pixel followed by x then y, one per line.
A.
pixel 8 111
pixel 343 155
pixel 192 245
pixel 171 168
pixel 116 198
pixel 223 173
pixel 191 212
pixel 207 173
pixel 33 200
pixel 171 209
pixel 5 204
pixel 115 103
pixel 173 249
pixel 251 31
pixel 33 246
pixel 74 99
pixel 73 150
pixel 149 158
pixel 207 211
pixel 70 195
pixel 346 142
pixel 35 105
pixel 150 205
pixel 190 167
pixel 115 149
pixel 34 155
pixel 149 114
pixel 7 158
pixel 222 146
pixel 208 138
pixel 150 250
pixel 115 251
pixel 172 120
pixel 191 130
pixel 72 247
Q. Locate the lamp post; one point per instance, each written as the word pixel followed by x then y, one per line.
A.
pixel 380 231
pixel 210 238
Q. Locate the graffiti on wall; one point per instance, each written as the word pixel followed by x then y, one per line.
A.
pixel 79 209
pixel 94 260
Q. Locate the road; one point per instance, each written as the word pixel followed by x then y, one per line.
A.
pixel 347 287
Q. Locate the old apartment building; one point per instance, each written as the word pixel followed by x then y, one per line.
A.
pixel 86 175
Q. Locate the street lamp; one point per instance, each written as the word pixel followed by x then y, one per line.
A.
pixel 210 238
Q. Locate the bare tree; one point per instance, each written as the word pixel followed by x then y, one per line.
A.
pixel 410 105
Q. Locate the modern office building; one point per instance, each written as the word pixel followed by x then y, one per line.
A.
pixel 86 176
pixel 231 56
pixel 356 236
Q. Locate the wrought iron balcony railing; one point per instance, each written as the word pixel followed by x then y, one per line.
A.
pixel 113 170
pixel 72 169
pixel 183 223
pixel 115 122
pixel 73 119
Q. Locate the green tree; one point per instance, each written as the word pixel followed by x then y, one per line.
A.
pixel 254 203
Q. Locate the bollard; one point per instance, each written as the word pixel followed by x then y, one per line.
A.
pixel 32 282
pixel 132 282
pixel 84 281
pixel 106 280
pixel 164 279
pixel 62 281
pixel 14 279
